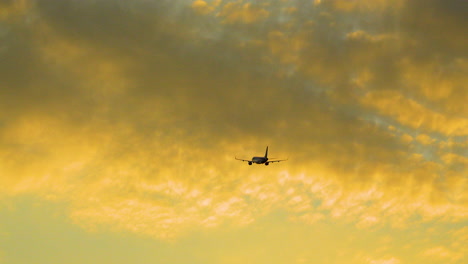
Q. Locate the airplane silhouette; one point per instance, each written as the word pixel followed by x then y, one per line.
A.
pixel 261 160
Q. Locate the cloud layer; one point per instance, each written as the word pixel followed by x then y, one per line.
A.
pixel 131 113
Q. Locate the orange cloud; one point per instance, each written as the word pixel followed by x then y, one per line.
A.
pixel 444 253
pixel 239 12
pixel 413 114
pixel 202 7
pixel 361 35
pixel 442 85
pixel 425 139
pixel 286 48
pixel 368 5
pixel 10 10
pixel 142 140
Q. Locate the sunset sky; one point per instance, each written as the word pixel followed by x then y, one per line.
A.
pixel 120 121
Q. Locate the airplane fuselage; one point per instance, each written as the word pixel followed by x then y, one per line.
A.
pixel 259 160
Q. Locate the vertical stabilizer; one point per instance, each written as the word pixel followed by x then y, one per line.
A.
pixel 266 152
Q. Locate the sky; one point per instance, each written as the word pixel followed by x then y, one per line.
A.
pixel 120 121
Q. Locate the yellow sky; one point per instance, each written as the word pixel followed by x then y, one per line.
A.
pixel 120 120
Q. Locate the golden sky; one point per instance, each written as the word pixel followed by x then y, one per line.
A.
pixel 120 120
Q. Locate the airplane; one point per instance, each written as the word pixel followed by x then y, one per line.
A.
pixel 261 160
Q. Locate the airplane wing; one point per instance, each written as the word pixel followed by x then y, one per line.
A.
pixel 243 159
pixel 271 161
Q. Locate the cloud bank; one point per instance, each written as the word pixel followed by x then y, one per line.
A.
pixel 132 112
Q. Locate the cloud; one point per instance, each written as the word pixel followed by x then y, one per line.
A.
pixel 363 5
pixel 391 260
pixel 202 7
pixel 366 37
pixel 240 12
pixel 131 113
pixel 443 253
pixel 11 10
pixel 411 113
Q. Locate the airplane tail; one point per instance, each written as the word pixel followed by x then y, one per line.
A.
pixel 266 152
